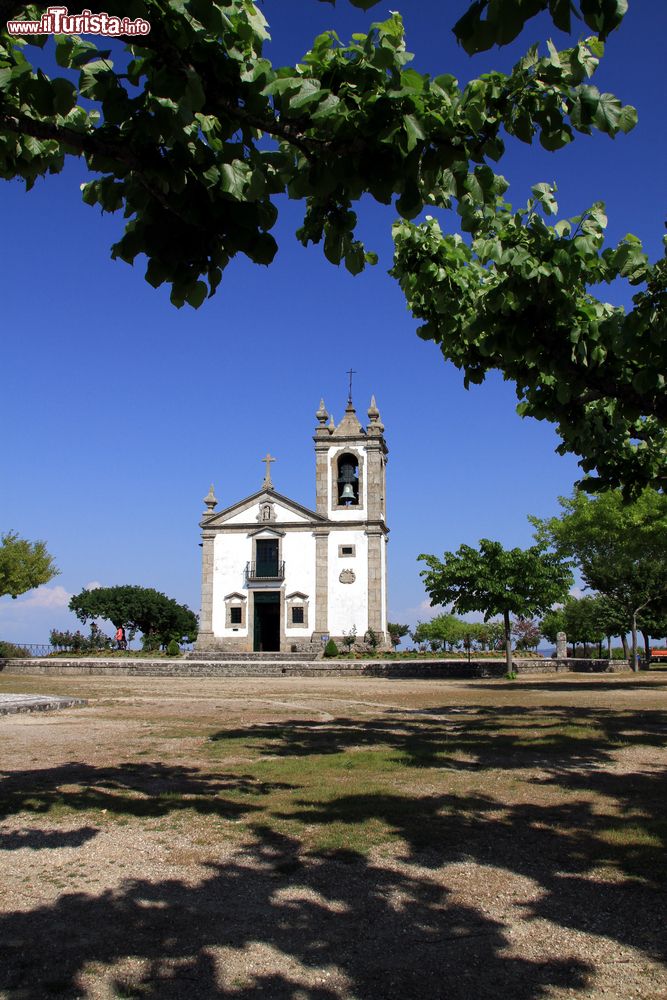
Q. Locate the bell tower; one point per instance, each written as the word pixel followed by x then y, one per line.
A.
pixel 350 474
pixel 350 466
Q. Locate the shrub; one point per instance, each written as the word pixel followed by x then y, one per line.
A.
pixel 77 642
pixel 10 651
pixel 331 649
pixel 511 675
pixel 372 639
pixel 349 638
pixel 173 649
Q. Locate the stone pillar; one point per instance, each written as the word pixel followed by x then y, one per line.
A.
pixel 374 481
pixel 561 645
pixel 321 583
pixel 205 633
pixel 375 581
pixel 322 476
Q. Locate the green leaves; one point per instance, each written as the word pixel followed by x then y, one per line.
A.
pixel 498 22
pixel 23 565
pixel 517 300
pixel 197 137
pixel 544 196
pixel 620 547
pixel 495 580
pixel 137 608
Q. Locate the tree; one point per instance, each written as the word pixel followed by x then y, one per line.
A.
pixel 497 581
pixel 585 620
pixel 198 134
pixel 23 565
pixel 620 547
pixel 397 632
pixel 552 623
pixel 159 617
pixel 526 632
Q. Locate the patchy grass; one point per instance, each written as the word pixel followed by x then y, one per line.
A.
pixel 258 811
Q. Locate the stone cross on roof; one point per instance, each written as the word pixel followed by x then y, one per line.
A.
pixel 268 484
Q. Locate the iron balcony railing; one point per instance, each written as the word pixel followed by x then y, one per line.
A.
pixel 265 571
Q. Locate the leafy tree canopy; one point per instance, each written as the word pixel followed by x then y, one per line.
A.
pixel 620 547
pixel 138 608
pixel 194 135
pixel 497 581
pixel 526 633
pixel 397 632
pixel 23 565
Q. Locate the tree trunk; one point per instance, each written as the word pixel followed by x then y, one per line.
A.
pixel 508 641
pixel 647 647
pixel 626 651
pixel 635 664
pixel 609 647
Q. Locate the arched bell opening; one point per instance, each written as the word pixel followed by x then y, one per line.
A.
pixel 348 480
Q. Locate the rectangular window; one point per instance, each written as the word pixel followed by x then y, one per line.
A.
pixel 236 615
pixel 346 550
pixel 297 616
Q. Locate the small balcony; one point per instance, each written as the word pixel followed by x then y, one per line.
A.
pixel 262 572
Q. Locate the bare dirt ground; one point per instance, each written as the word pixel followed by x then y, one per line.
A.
pixel 320 839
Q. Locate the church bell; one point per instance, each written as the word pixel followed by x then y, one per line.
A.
pixel 346 482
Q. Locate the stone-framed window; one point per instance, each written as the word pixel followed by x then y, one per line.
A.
pixel 296 610
pixel 267 552
pixel 347 551
pixel 335 466
pixel 235 611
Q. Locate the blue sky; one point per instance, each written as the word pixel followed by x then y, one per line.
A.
pixel 119 410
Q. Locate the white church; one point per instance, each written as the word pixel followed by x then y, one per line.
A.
pixel 277 576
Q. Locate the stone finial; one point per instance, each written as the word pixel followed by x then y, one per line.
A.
pixel 210 500
pixel 332 424
pixel 375 426
pixel 322 415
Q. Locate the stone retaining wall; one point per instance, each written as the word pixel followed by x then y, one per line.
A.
pixel 408 669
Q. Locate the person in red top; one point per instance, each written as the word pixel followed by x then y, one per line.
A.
pixel 120 638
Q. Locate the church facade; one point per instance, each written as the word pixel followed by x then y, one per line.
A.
pixel 277 576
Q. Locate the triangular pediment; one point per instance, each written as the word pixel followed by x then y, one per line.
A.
pixel 246 512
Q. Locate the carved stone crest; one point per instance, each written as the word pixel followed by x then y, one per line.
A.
pixel 347 576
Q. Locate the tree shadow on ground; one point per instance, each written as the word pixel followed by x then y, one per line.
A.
pixel 131 789
pixel 570 850
pixel 41 840
pixel 600 686
pixel 371 931
pixel 506 736
pixel 326 925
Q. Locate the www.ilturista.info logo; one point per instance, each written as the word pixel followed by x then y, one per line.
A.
pixel 58 21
